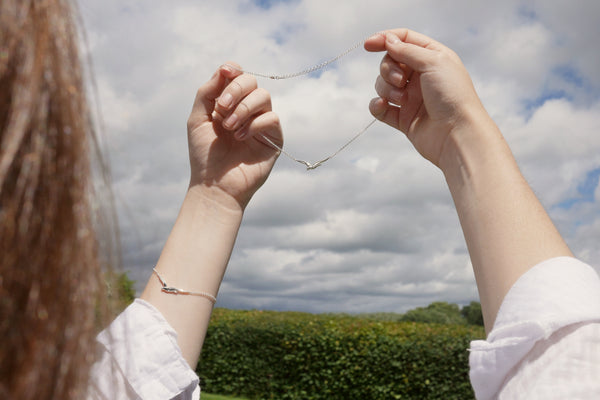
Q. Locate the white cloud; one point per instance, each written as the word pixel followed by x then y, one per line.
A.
pixel 557 146
pixel 120 111
pixel 369 164
pixel 373 229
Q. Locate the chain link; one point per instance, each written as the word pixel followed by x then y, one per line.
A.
pixel 309 165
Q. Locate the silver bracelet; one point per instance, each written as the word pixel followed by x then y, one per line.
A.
pixel 173 290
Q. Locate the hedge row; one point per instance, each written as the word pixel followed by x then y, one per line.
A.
pixel 277 355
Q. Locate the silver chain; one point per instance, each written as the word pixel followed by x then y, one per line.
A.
pixel 314 165
pixel 309 165
pixel 307 70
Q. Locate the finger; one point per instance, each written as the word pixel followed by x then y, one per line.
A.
pixel 390 92
pixel 378 40
pixel 231 70
pixel 257 102
pixel 411 103
pixel 394 73
pixel 204 102
pixel 418 54
pixel 409 36
pixel 384 112
pixel 266 124
pixel 235 91
pixel 399 115
pixel 375 42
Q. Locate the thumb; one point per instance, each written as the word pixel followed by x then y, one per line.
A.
pixel 415 56
pixel 204 103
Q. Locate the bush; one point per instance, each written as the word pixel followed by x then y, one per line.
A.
pixel 438 312
pixel 275 355
pixel 472 313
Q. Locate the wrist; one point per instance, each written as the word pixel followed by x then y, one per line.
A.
pixel 198 248
pixel 475 142
pixel 214 199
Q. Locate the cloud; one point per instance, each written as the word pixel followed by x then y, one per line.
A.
pixel 557 147
pixel 373 229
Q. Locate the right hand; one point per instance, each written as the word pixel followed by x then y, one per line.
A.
pixel 232 157
pixel 425 90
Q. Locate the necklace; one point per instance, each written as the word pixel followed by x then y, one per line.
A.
pixel 316 164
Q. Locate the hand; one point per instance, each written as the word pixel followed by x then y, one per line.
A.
pixel 425 91
pixel 229 159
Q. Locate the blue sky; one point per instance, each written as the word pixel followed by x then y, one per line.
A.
pixel 585 190
pixel 267 4
pixel 375 228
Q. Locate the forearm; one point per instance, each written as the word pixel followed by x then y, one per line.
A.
pixel 506 228
pixel 194 258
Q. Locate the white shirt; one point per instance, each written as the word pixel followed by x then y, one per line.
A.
pixel 140 359
pixel 545 343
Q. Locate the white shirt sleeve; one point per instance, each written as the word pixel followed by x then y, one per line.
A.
pixel 140 359
pixel 545 343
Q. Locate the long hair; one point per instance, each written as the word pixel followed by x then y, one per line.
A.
pixel 51 280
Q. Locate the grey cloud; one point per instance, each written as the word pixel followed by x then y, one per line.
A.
pixel 373 229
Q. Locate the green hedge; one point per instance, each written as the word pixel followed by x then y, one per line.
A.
pixel 284 355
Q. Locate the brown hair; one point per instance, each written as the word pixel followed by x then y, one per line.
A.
pixel 50 273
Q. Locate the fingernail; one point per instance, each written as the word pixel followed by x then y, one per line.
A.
pixel 241 134
pixel 226 100
pixel 377 35
pixel 396 77
pixel 391 38
pixel 377 106
pixel 230 122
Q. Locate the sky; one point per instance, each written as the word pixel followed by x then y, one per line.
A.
pixel 374 229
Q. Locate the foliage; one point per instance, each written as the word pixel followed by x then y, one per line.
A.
pixel 439 313
pixel 382 316
pixel 284 355
pixel 472 313
pixel 125 287
pixel 121 290
pixel 207 396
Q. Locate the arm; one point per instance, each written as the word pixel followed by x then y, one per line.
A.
pixel 426 93
pixel 228 164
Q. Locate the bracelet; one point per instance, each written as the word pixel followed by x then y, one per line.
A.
pixel 173 290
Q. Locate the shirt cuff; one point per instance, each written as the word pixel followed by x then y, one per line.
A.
pixel 144 348
pixel 553 294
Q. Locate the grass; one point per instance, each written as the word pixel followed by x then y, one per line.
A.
pixel 208 396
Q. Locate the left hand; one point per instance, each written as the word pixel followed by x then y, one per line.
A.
pixel 229 159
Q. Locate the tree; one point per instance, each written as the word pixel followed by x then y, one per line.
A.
pixel 439 312
pixel 125 288
pixel 472 313
pixel 121 290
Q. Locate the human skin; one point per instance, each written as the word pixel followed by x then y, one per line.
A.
pixel 229 162
pixel 426 92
